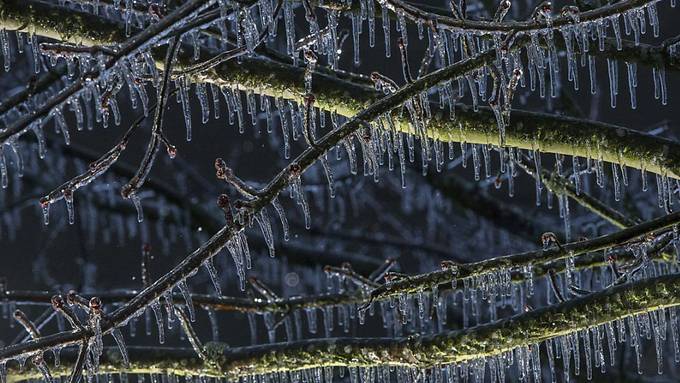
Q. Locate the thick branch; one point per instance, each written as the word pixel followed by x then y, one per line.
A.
pixel 528 130
pixel 459 346
pixel 523 330
pixel 547 133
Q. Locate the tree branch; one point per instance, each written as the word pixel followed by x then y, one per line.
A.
pixel 483 341
pixel 546 133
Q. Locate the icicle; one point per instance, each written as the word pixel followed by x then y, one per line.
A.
pixel 137 202
pixel 94 320
pixel 612 69
pixel 289 22
pixel 298 193
pixel 186 108
pixel 265 226
pixel 40 136
pixel 328 321
pixel 78 111
pixel 214 90
pixel 266 104
pixel 673 317
pixel 591 71
pixel 212 272
pixel 282 216
pixel 60 124
pixel 156 307
pixel 202 95
pixel 68 198
pixel 184 289
pixel 401 26
pixel 551 360
pixel 537 165
pixel 660 91
pixel 386 30
pixel 371 23
pixel 632 83
pixel 120 342
pixel 653 18
pixel 611 341
pixel 617 31
pixel 617 182
pixel 329 176
pixel 356 20
pixel 635 342
pixel 3 168
pixel 311 319
pixel 658 339
pixel 6 51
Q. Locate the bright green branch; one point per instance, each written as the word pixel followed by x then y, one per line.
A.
pixel 523 330
pixel 546 133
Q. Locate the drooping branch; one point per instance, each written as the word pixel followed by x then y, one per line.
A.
pixel 189 265
pixel 541 261
pixel 483 341
pixel 543 132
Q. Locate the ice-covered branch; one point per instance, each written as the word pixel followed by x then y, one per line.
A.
pixel 559 185
pixel 18 18
pixel 147 360
pixel 536 24
pixel 481 342
pixel 543 132
pixel 591 313
pixel 225 236
pixel 528 130
pixel 518 261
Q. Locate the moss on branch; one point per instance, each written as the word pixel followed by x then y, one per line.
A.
pixel 460 346
pixel 144 360
pixel 48 21
pixel 527 130
pixel 526 329
pixel 546 133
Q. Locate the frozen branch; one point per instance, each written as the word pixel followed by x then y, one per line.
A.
pixel 524 330
pixel 428 281
pixel 534 25
pixel 546 133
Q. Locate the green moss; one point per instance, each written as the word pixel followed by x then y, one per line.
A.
pixel 547 133
pixel 458 346
pixel 67 26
